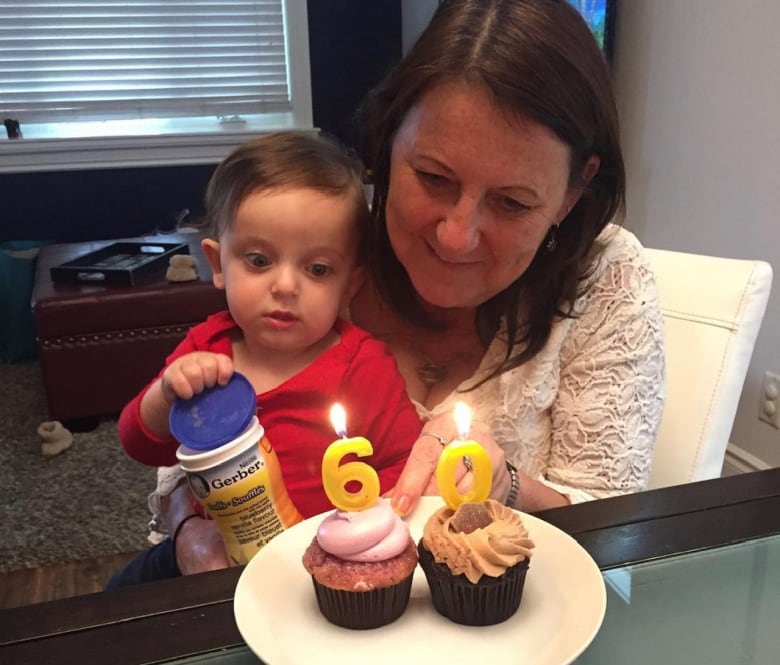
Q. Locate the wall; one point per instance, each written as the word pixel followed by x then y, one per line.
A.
pixel 351 44
pixel 415 16
pixel 698 88
pixel 74 206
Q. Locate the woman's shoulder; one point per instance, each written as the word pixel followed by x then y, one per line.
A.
pixel 618 244
pixel 621 279
pixel 620 253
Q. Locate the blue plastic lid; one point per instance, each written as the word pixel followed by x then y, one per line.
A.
pixel 215 416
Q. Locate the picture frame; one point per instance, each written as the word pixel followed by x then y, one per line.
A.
pixel 600 17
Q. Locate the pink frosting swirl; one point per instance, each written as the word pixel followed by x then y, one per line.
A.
pixel 373 534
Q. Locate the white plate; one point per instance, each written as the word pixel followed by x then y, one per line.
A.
pixel 562 609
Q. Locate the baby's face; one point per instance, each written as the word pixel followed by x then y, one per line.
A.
pixel 288 267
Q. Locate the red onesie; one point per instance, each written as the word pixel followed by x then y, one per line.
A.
pixel 359 372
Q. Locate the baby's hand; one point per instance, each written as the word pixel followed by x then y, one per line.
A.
pixel 192 374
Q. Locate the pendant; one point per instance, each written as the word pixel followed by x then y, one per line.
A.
pixel 431 373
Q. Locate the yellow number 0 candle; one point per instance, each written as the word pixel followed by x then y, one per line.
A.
pixel 451 456
pixel 335 476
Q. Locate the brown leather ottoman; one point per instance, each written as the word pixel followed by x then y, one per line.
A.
pixel 100 344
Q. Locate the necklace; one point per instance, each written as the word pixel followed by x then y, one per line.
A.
pixel 431 373
pixel 455 349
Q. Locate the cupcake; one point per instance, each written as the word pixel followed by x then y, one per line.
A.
pixel 361 564
pixel 475 559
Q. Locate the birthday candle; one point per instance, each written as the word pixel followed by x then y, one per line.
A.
pixel 451 456
pixel 335 476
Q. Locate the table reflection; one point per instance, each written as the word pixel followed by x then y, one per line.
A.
pixel 716 606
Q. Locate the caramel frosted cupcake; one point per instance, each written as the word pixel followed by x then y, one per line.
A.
pixel 362 565
pixel 475 559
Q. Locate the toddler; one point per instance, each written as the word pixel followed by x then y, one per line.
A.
pixel 287 216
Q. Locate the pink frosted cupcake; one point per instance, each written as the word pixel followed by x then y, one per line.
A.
pixel 362 565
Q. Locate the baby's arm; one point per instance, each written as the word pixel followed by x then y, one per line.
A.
pixel 183 378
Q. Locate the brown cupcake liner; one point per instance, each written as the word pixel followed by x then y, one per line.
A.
pixel 489 601
pixel 361 610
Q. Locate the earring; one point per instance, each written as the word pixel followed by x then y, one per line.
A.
pixel 552 241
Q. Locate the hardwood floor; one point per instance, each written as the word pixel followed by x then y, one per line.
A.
pixel 37 585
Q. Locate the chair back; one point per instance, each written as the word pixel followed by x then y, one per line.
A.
pixel 712 310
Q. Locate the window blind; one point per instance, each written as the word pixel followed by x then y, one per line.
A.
pixel 69 60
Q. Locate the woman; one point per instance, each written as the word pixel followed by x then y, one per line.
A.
pixel 497 277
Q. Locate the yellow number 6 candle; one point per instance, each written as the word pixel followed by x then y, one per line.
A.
pixel 450 457
pixel 335 476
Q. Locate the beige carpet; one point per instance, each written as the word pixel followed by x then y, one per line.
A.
pixel 88 501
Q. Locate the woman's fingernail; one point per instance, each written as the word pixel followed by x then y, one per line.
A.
pixel 401 505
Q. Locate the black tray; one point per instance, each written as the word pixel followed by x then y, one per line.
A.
pixel 119 263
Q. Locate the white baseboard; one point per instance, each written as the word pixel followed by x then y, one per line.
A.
pixel 739 460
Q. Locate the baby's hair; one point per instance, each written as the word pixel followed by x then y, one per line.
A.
pixel 280 161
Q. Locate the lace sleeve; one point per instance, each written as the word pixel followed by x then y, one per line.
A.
pixel 610 397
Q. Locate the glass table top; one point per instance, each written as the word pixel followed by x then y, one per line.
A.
pixel 714 606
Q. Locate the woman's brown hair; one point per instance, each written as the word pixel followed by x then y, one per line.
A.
pixel 537 59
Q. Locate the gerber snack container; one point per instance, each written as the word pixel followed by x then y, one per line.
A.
pixel 232 467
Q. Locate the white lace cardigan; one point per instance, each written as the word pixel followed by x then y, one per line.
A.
pixel 583 414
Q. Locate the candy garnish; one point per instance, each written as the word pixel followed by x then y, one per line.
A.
pixel 469 517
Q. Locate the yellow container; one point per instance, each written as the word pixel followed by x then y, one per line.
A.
pixel 240 485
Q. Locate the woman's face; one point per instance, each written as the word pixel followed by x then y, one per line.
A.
pixel 472 195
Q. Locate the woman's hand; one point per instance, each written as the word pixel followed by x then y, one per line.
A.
pixel 419 474
pixel 199 546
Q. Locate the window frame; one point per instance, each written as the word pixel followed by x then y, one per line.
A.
pixel 121 144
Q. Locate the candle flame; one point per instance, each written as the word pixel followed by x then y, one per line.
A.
pixel 338 417
pixel 462 420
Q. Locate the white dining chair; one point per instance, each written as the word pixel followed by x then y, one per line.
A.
pixel 712 309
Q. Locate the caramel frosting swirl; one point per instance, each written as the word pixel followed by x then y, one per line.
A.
pixel 489 550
